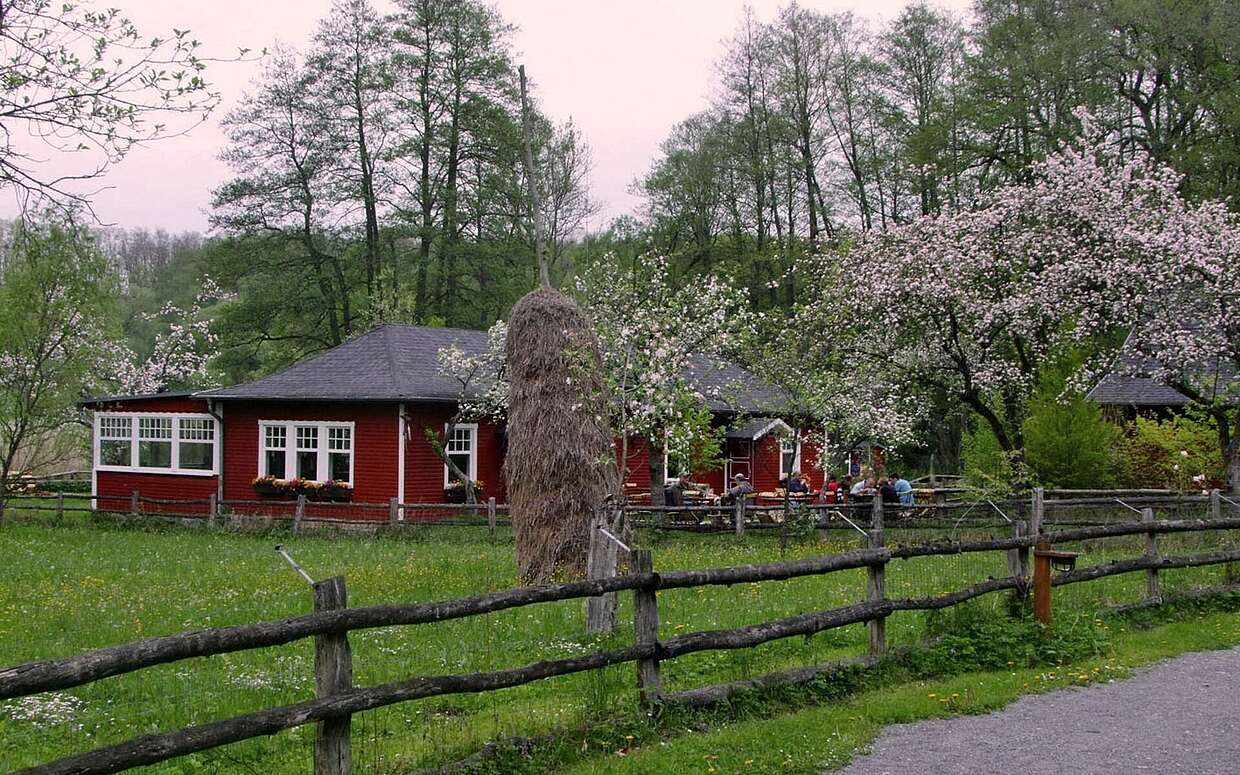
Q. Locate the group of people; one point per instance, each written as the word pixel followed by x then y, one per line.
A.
pixel 893 488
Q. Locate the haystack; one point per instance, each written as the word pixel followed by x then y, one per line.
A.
pixel 560 466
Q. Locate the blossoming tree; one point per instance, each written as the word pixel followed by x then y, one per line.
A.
pixel 974 304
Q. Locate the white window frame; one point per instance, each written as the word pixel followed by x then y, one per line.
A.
pixel 290 445
pixel 176 418
pixel 784 444
pixel 472 427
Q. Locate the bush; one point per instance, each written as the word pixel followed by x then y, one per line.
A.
pixel 1068 443
pixel 1171 453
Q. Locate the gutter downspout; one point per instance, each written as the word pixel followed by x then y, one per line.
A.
pixel 401 425
pixel 218 414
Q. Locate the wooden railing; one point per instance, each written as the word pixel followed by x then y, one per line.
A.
pixel 336 699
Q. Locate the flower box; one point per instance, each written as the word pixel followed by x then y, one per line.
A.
pixel 330 491
pixel 455 492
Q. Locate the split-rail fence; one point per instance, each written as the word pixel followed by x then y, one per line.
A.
pixel 337 699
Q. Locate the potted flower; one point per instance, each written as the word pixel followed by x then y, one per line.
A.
pixel 455 491
pixel 334 490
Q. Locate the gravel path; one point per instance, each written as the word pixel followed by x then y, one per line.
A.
pixel 1182 716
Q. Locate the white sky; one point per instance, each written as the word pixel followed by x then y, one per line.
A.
pixel 624 70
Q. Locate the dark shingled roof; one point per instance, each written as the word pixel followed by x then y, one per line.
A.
pixel 401 363
pixel 1126 384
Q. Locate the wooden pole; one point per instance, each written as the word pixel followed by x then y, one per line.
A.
pixel 1018 563
pixel 738 516
pixel 333 674
pixel 1037 509
pixel 393 510
pixel 1216 513
pixel 1042 588
pixel 876 588
pixel 646 630
pixel 531 183
pixel 299 512
pixel 60 507
pixel 213 508
pixel 134 506
pixel 601 564
pixel 491 517
pixel 1153 588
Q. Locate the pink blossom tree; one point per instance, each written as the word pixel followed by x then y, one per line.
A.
pixel 974 304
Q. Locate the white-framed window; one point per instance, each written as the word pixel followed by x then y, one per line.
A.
pixel 462 450
pixel 115 441
pixel 306 449
pixel 156 442
pixel 789 456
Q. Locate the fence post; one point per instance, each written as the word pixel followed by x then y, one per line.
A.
pixel 1036 516
pixel 213 508
pixel 601 564
pixel 491 517
pixel 1018 563
pixel 299 512
pixel 393 510
pixel 133 503
pixel 646 629
pixel 1216 512
pixel 1153 589
pixel 738 516
pixel 60 507
pixel 333 674
pixel 876 590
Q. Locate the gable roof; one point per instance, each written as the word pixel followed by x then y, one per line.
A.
pixel 401 363
pixel 1128 383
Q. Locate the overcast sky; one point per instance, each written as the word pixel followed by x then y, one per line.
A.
pixel 624 70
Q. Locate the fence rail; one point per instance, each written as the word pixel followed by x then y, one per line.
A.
pixel 331 622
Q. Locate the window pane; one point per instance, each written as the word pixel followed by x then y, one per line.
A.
pixel 115 427
pixel 115 453
pixel 307 437
pixel 339 464
pixel 275 463
pixel 340 439
pixel 196 456
pixel 274 437
pixel 462 462
pixel 155 454
pixel 307 464
pixel 155 428
pixel 197 429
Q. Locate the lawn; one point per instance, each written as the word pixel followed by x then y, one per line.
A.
pixel 70 588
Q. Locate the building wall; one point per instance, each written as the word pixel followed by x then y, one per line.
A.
pixel 114 488
pixel 375 445
pixel 424 470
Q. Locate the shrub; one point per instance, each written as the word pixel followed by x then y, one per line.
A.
pixel 1068 443
pixel 1171 453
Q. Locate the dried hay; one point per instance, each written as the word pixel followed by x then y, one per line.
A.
pixel 560 466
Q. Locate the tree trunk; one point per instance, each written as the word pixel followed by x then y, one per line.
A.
pixel 655 469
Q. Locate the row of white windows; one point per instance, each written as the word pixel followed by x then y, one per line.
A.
pixel 157 443
pixel 287 449
pixel 299 450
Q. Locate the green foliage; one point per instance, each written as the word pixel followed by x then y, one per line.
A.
pixel 984 463
pixel 1170 453
pixel 56 317
pixel 1068 443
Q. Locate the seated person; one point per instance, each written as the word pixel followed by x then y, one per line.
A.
pixel 674 493
pixel 739 489
pixel 831 490
pixel 797 483
pixel 887 489
pixel 844 493
pixel 864 487
pixel 904 490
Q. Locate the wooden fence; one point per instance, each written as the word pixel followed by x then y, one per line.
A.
pixel 337 699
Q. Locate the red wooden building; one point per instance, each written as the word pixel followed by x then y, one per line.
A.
pixel 359 416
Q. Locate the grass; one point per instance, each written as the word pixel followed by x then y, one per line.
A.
pixel 75 587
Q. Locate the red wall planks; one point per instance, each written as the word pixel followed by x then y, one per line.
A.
pixel 375 445
pixel 114 488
